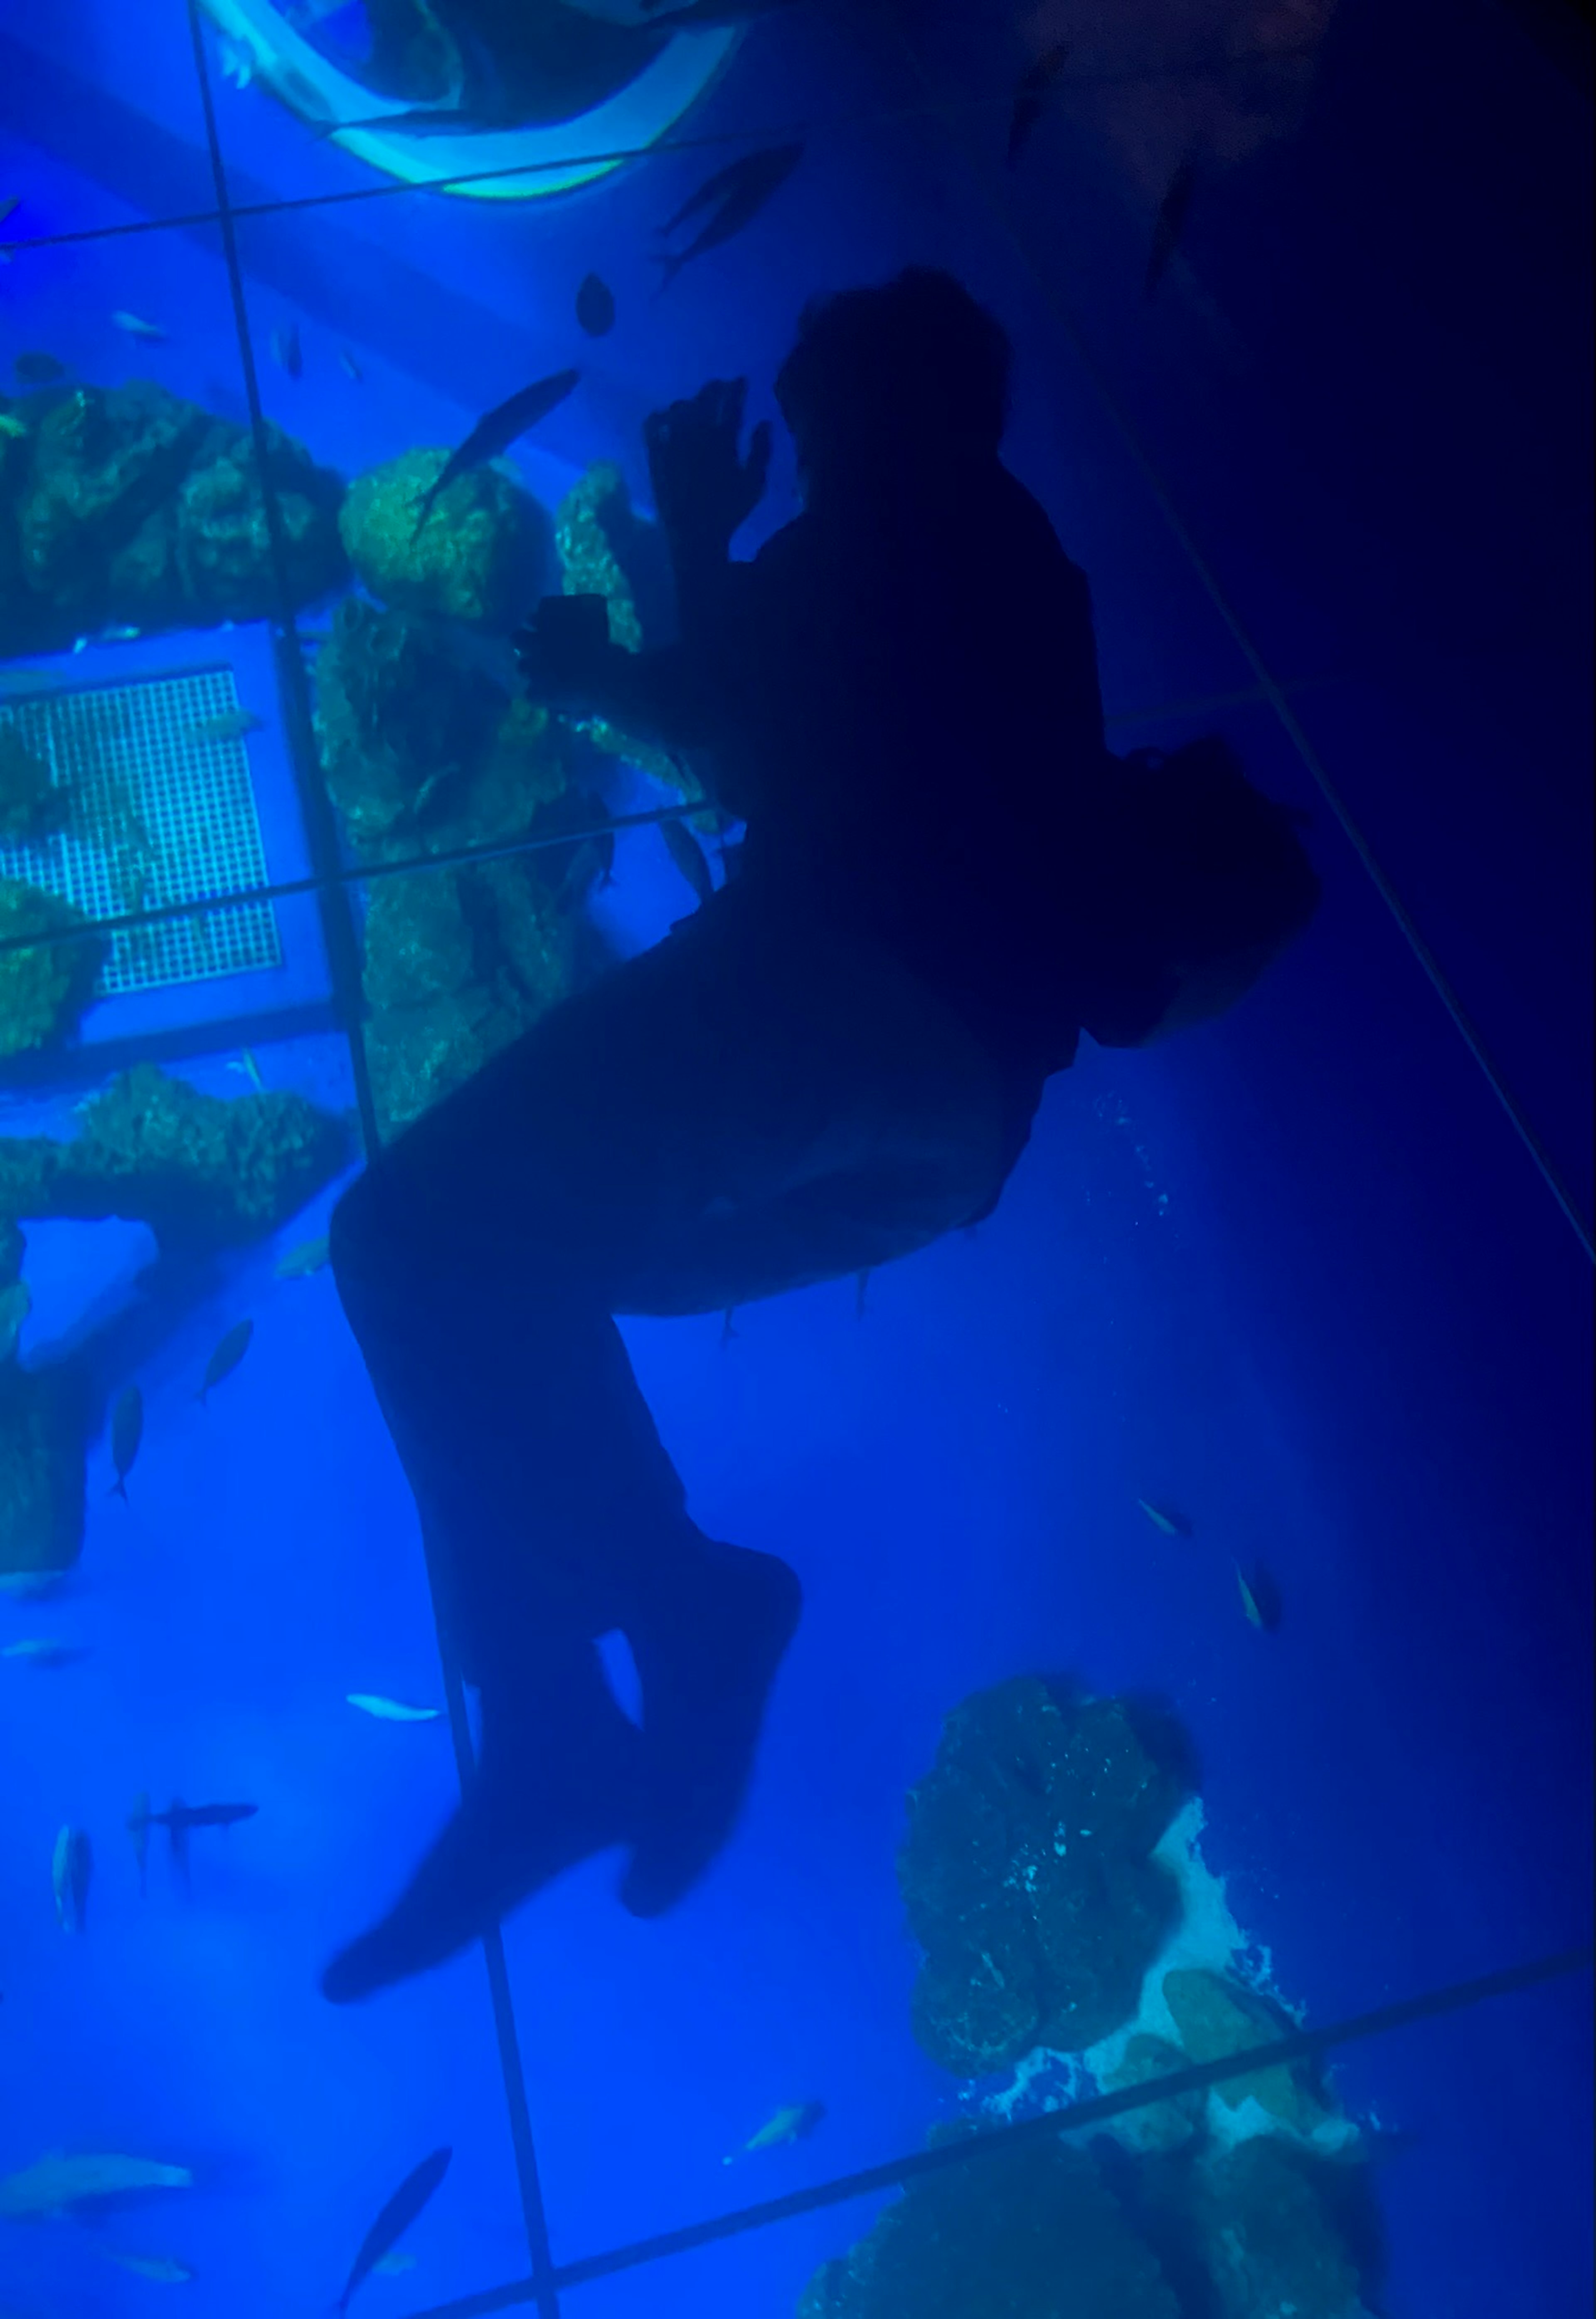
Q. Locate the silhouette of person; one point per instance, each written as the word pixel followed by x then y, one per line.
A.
pixel 832 1062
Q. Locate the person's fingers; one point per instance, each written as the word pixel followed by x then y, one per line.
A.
pixel 759 457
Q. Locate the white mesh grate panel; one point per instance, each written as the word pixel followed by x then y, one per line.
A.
pixel 157 777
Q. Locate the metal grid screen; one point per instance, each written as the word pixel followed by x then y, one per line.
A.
pixel 154 777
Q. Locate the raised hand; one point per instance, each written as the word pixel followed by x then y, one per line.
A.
pixel 704 487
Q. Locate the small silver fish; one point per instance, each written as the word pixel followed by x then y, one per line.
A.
pixel 349 366
pixel 163 2270
pixel 299 1263
pixel 791 2123
pixel 137 326
pixel 229 1353
pixel 390 1710
pixel 119 635
pixel 45 1651
pixel 245 1064
pixel 1168 1519
pixel 227 725
pixel 72 1865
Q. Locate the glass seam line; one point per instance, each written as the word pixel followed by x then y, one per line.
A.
pixel 615 158
pixel 1298 2045
pixel 339 933
pixel 1271 690
pixel 455 857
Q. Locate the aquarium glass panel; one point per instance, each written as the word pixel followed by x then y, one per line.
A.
pixel 794 1158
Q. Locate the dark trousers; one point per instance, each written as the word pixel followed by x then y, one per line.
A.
pixel 755 1104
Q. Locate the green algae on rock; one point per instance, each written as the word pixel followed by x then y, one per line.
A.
pixel 205 1172
pixel 1026 1873
pixel 130 506
pixel 1216 2018
pixel 588 565
pixel 43 990
pixel 479 556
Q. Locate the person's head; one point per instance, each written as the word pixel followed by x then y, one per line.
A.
pixel 911 367
pixel 1201 882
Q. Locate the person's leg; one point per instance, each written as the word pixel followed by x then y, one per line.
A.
pixel 733 1114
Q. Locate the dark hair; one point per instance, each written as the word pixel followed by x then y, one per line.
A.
pixel 1195 869
pixel 914 361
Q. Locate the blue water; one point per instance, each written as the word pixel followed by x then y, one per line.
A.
pixel 1296 1273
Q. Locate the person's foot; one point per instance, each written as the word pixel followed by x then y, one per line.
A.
pixel 546 1795
pixel 706 1664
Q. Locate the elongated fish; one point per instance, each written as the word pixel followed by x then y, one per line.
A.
pixel 789 2124
pixel 395 2219
pixel 299 1263
pixel 136 327
pixel 229 1353
pixel 497 432
pixel 687 854
pixel 1260 1598
pixel 179 1819
pixel 736 196
pixel 45 1651
pixel 227 725
pixel 390 1710
pixel 72 1865
pixel 55 2184
pixel 1168 1519
pixel 162 2269
pixel 127 1431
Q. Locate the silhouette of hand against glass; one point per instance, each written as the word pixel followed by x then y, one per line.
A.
pixel 704 488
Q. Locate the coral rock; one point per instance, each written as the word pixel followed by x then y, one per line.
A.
pixel 1216 2017
pixel 1026 2232
pixel 1026 1874
pixel 478 557
pixel 44 990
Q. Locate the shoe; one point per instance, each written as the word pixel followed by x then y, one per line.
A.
pixel 705 1662
pixel 545 1797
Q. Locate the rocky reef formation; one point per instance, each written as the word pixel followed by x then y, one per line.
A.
pixel 130 507
pixel 31 808
pixel 1027 1872
pixel 1032 1882
pixel 43 989
pixel 426 750
pixel 1028 2233
pixel 206 1175
pixel 479 556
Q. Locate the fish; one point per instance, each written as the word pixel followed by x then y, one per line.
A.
pixel 349 366
pixel 137 326
pixel 122 635
pixel 299 1263
pixel 1260 1598
pixel 45 1651
pixel 395 2219
pixel 55 2184
pixel 36 369
pixel 179 1820
pixel 394 2265
pixel 390 1710
pixel 71 1871
pixel 14 428
pixel 1168 1519
pixel 237 61
pixel 245 1064
pixel 227 725
pixel 497 432
pixel 1030 96
pixel 790 2124
pixel 285 349
pixel 16 1302
pixel 225 1360
pixel 162 2269
pixel 32 1585
pixel 127 1431
pixel 735 196
pixel 1170 222
pixel 687 854
pixel 595 307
